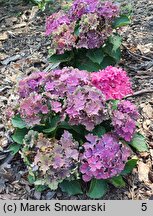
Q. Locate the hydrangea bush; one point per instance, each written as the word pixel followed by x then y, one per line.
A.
pixel 71 130
pixel 85 36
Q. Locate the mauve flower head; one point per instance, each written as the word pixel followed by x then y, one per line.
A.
pixel 30 84
pixel 113 82
pixel 32 107
pixel 54 21
pixel 124 120
pixel 86 106
pixel 107 157
pixel 51 158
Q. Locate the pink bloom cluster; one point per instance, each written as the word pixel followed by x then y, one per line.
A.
pixel 124 120
pixel 86 25
pixel 103 157
pixel 52 160
pixel 68 92
pixel 113 82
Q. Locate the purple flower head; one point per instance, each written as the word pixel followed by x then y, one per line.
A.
pixel 108 157
pixel 32 107
pixel 54 21
pixel 87 24
pixel 85 109
pixel 124 120
pixel 30 84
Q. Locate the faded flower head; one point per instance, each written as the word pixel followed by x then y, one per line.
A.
pixel 124 120
pixel 103 157
pixel 51 160
pixel 113 82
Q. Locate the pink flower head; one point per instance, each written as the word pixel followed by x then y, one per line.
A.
pixel 113 82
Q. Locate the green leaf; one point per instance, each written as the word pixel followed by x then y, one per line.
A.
pixel 53 124
pixel 117 181
pixel 139 143
pixel 17 122
pixel 14 148
pixel 116 55
pixel 82 62
pixel 114 104
pixel 31 179
pixel 71 187
pixel 40 188
pixel 95 55
pixel 116 41
pixel 77 29
pixel 99 130
pixel 123 20
pixel 67 56
pixel 77 128
pixel 97 189
pixel 130 165
pixel 107 61
pixel 19 135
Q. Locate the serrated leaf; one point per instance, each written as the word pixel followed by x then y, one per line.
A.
pixel 71 187
pixel 56 58
pixel 117 181
pixel 95 55
pixel 17 122
pixel 99 130
pixel 97 189
pixel 14 148
pixel 123 20
pixel 139 143
pixel 130 165
pixel 19 135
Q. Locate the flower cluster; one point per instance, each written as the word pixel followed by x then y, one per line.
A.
pixel 113 82
pixel 103 157
pixel 87 107
pixel 68 92
pixel 124 120
pixel 51 160
pixel 32 108
pixel 86 25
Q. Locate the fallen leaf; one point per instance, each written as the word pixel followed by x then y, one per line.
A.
pixel 3 36
pixel 148 111
pixel 143 170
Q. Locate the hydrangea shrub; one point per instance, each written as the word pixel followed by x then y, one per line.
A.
pixel 69 132
pixel 85 37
